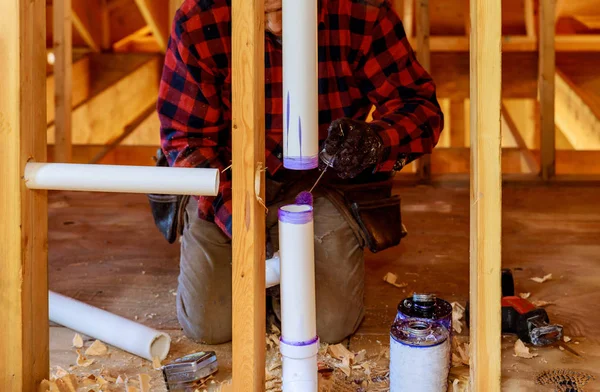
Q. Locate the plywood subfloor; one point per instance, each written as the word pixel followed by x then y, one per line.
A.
pixel 105 250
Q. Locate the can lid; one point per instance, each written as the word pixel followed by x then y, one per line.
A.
pixel 424 297
pixel 419 332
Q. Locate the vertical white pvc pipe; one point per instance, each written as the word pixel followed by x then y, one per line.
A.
pixel 300 85
pixel 299 342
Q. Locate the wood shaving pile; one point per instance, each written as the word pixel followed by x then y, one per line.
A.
pixel 458 311
pixel 522 351
pixel 391 278
pixel 97 349
pixel 98 381
pixel 541 304
pixel 542 280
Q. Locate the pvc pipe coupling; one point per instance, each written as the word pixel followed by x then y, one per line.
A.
pixel 299 363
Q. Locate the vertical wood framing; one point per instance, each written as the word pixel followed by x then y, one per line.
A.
pixel 457 123
pixel 63 79
pixel 547 88
pixel 529 18
pixel 23 233
pixel 529 159
pixel 86 17
pixel 424 57
pixel 248 132
pixel 486 195
pixel 408 14
pixel 105 15
pixel 156 15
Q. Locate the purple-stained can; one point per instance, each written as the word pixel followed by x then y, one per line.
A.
pixel 426 307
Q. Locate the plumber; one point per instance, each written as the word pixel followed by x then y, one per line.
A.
pixel 364 62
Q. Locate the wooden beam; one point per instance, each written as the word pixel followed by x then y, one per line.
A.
pixel 24 359
pixel 248 147
pixel 63 78
pixel 103 116
pixel 156 15
pixel 105 16
pixel 547 88
pixel 86 19
pixel 128 130
pixel 486 195
pixel 424 57
pixel 81 82
pixel 528 157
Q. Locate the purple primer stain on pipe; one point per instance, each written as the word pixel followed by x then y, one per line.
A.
pixel 301 163
pixel 296 214
pixel 300 344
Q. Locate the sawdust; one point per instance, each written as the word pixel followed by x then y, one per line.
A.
pixel 541 304
pixel 97 349
pixel 522 351
pixel 83 361
pixel 458 311
pixel 524 295
pixel 156 363
pixel 77 341
pixel 391 278
pixel 542 280
pixel 144 380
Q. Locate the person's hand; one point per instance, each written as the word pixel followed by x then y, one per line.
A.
pixel 273 22
pixel 355 146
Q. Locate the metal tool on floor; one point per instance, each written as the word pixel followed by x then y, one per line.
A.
pixel 186 373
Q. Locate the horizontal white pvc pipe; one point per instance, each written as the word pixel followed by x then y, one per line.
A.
pixel 273 272
pixel 300 85
pixel 299 341
pixel 109 328
pixel 123 179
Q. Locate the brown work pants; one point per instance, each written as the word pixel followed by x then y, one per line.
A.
pixel 204 292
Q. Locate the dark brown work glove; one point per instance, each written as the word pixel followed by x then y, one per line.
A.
pixel 355 146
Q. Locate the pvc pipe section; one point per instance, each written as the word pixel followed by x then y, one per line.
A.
pixel 273 270
pixel 109 328
pixel 299 342
pixel 300 85
pixel 123 179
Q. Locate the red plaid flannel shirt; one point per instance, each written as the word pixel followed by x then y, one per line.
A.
pixel 365 60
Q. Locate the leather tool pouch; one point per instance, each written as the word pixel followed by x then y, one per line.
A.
pixel 377 213
pixel 168 211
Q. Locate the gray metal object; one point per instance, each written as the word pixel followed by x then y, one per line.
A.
pixel 184 373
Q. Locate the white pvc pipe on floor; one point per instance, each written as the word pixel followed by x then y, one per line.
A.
pixel 273 271
pixel 109 328
pixel 300 85
pixel 299 341
pixel 123 179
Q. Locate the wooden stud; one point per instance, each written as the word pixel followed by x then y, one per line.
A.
pixel 156 14
pixel 457 123
pixel 248 133
pixel 547 61
pixel 63 78
pixel 408 15
pixel 105 15
pixel 529 18
pixel 424 57
pixel 24 360
pixel 486 195
pixel 529 158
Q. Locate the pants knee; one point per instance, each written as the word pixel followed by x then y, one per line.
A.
pixel 204 324
pixel 335 326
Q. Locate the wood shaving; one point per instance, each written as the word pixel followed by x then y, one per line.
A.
pixel 66 383
pixel 97 349
pixel 542 280
pixel 522 351
pixel 525 295
pixel 120 380
pixel 360 356
pixel 339 352
pixel 391 278
pixel 144 382
pixel 156 363
pixel 132 389
pixel 77 341
pixel 566 339
pixel 82 360
pixel 541 304
pixel 60 372
pixel 561 348
pixel 458 311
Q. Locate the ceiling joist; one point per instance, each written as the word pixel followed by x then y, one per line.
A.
pixel 86 21
pixel 156 15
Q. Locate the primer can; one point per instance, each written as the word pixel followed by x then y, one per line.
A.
pixel 419 356
pixel 426 307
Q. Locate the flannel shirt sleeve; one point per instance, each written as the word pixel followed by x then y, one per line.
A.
pixel 193 130
pixel 407 114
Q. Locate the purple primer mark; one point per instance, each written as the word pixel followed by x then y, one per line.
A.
pixel 295 214
pixel 301 343
pixel 301 163
pixel 287 120
pixel 300 135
